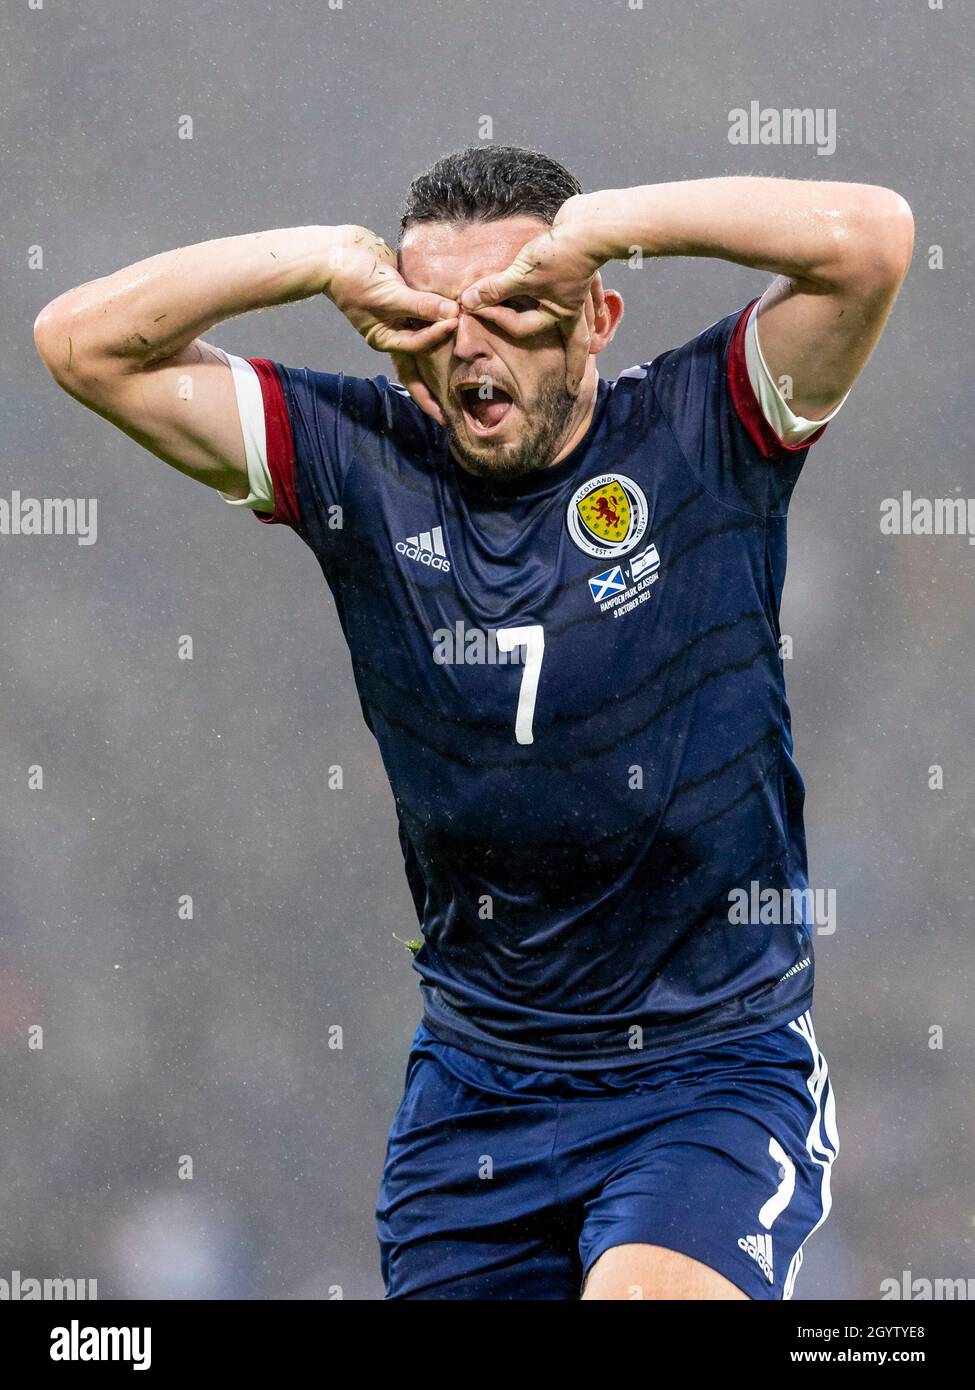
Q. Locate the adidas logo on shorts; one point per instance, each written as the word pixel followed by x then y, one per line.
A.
pixel 427 548
pixel 760 1249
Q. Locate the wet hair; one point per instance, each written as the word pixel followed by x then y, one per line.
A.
pixel 485 183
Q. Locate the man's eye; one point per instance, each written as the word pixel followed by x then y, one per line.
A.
pixel 521 303
pixel 414 325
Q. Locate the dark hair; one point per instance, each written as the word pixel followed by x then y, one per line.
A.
pixel 487 182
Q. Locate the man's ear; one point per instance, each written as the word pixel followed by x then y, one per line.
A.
pixel 609 316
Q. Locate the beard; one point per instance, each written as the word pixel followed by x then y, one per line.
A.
pixel 548 420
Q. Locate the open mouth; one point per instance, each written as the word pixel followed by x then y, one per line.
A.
pixel 484 413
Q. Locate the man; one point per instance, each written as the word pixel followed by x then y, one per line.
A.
pixel 561 597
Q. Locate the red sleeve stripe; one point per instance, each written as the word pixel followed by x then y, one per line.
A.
pixel 280 446
pixel 746 404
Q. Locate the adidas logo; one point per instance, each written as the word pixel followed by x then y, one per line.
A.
pixel 760 1249
pixel 427 548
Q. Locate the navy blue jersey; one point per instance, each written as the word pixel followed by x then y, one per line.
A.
pixel 575 683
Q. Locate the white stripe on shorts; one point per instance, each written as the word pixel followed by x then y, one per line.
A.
pixel 822 1141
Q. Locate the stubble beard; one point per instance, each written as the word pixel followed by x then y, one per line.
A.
pixel 550 417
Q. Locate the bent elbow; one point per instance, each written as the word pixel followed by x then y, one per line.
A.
pixel 62 336
pixel 895 235
pixel 885 242
pixel 54 339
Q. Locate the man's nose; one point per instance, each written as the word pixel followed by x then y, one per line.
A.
pixel 471 338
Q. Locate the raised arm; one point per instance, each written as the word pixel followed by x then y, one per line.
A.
pixel 129 346
pixel 839 251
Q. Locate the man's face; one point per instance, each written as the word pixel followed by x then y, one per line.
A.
pixel 504 399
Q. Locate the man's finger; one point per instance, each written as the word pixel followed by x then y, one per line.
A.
pixel 409 377
pixel 518 323
pixel 385 337
pixel 493 289
pixel 397 300
pixel 577 339
pixel 590 310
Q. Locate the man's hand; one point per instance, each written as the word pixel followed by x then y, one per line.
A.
pixel 364 283
pixel 552 282
pixel 128 344
pixel 839 252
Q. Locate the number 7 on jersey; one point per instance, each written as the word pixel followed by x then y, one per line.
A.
pixel 532 638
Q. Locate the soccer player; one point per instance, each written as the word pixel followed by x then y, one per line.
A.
pixel 561 598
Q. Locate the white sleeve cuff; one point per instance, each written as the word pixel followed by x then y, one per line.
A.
pixel 790 428
pixel 250 408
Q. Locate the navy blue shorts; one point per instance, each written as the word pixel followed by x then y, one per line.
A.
pixel 502 1183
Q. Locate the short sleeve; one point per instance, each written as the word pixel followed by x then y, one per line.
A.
pixel 706 394
pixel 791 430
pixel 313 422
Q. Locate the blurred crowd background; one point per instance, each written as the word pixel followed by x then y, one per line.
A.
pixel 209 1037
